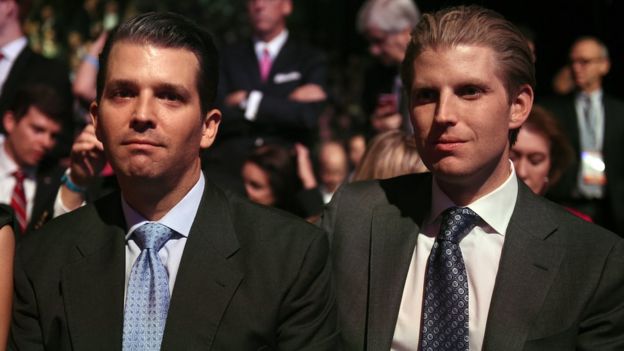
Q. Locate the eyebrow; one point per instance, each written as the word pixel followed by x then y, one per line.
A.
pixel 126 83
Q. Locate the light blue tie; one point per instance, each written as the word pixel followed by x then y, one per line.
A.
pixel 147 298
pixel 445 306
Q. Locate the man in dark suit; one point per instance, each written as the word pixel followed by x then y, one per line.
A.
pixel 594 122
pixel 271 89
pixel 20 66
pixel 198 268
pixel 466 257
pixel 32 122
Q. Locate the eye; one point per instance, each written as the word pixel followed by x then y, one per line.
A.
pixel 170 96
pixel 470 92
pixel 121 93
pixel 536 159
pixel 424 96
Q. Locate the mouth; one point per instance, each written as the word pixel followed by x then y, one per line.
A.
pixel 447 144
pixel 140 143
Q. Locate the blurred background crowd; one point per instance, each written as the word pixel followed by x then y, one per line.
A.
pixel 312 98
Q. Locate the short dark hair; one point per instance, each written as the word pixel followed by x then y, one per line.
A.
pixel 169 30
pixel 41 96
pixel 474 25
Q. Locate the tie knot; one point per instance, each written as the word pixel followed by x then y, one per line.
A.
pixel 152 236
pixel 19 175
pixel 457 222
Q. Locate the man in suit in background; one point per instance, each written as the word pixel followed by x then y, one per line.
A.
pixel 467 257
pixel 386 24
pixel 198 268
pixel 20 66
pixel 271 90
pixel 594 122
pixel 32 122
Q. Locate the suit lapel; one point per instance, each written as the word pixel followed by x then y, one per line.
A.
pixel 47 187
pixel 527 268
pixel 394 232
pixel 93 285
pixel 207 277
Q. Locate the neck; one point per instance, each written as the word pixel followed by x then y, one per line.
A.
pixel 591 89
pixel 266 37
pixel 154 198
pixel 10 32
pixel 465 190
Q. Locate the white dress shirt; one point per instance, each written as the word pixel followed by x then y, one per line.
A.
pixel 7 181
pixel 10 51
pixel 180 218
pixel 273 47
pixel 481 249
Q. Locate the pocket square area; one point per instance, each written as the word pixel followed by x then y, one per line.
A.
pixel 286 77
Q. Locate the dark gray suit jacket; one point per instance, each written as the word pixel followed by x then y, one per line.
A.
pixel 251 278
pixel 560 283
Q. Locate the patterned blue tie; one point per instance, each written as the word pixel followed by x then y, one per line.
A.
pixel 147 298
pixel 445 307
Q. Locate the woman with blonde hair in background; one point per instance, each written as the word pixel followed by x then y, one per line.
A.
pixel 389 154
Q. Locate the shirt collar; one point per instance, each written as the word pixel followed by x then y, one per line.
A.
pixel 178 218
pixel 494 208
pixel 12 49
pixel 274 46
pixel 595 96
pixel 8 166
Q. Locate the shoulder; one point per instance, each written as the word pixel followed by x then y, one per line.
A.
pixel 376 192
pixel 58 237
pixel 268 223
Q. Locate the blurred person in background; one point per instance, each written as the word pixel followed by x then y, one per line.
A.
pixel 272 176
pixel 542 153
pixel 386 24
pixel 271 90
pixel 593 121
pixel 32 123
pixel 20 66
pixel 390 154
pixel 333 168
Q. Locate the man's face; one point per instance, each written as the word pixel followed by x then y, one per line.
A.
pixel 333 166
pixel 461 115
pixel 268 17
pixel 389 48
pixel 30 138
pixel 149 117
pixel 588 65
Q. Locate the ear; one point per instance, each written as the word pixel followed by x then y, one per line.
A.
pixel 93 112
pixel 9 122
pixel 210 126
pixel 287 7
pixel 521 106
pixel 605 66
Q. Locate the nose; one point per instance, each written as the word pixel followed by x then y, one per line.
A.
pixel 143 116
pixel 521 168
pixel 445 112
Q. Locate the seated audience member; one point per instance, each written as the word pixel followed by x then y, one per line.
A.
pixel 542 153
pixel 272 177
pixel 7 251
pixel 21 67
pixel 390 154
pixel 32 123
pixel 333 168
pixel 386 24
pixel 356 148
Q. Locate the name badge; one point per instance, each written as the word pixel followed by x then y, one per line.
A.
pixel 286 77
pixel 593 168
